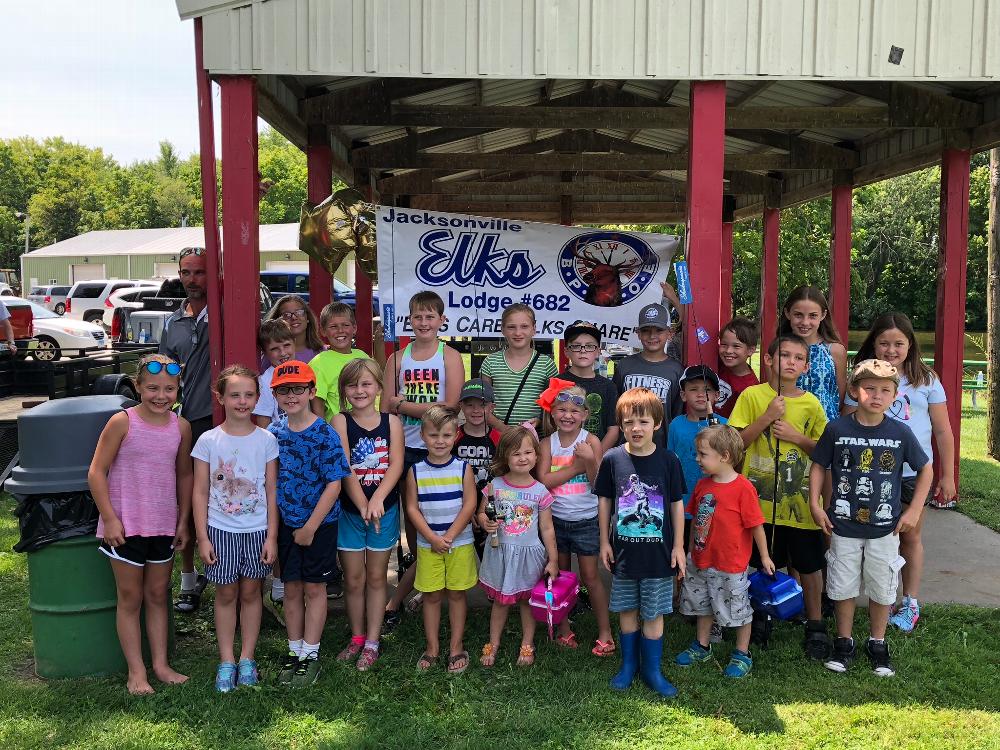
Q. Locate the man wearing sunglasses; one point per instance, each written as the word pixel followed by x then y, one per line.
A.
pixel 185 339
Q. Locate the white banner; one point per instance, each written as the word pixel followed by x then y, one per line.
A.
pixel 480 265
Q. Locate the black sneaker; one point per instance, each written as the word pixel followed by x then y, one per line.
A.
pixel 760 629
pixel 843 655
pixel 878 655
pixel 288 668
pixel 390 621
pixel 817 641
pixel 334 590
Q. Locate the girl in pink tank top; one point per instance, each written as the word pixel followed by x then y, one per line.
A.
pixel 140 478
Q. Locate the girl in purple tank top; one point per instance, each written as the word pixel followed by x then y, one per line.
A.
pixel 140 478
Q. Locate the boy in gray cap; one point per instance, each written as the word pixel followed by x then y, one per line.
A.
pixel 652 368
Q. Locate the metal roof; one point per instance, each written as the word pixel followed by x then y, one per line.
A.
pixel 169 241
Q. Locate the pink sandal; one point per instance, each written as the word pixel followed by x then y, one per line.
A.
pixel 603 648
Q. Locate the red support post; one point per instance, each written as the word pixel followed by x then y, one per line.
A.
pixel 769 283
pixel 949 334
pixel 706 155
pixel 364 309
pixel 840 251
pixel 319 181
pixel 210 209
pixel 726 269
pixel 240 219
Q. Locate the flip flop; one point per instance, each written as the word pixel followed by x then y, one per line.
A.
pixel 568 640
pixel 603 648
pixel 426 661
pixel 454 659
pixel 489 655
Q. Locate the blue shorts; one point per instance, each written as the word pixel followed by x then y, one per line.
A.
pixel 653 597
pixel 355 536
pixel 237 555
pixel 578 537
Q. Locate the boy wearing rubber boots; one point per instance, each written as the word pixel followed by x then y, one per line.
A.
pixel 864 453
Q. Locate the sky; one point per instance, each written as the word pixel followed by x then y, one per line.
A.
pixel 114 74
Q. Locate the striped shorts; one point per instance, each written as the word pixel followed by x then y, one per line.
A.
pixel 651 596
pixel 237 555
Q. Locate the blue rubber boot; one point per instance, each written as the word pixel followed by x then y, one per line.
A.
pixel 652 653
pixel 630 661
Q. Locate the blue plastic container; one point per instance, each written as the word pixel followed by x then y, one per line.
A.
pixel 779 595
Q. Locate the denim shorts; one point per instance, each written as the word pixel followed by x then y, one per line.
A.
pixel 578 537
pixel 356 536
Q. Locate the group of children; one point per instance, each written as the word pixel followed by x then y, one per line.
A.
pixel 661 473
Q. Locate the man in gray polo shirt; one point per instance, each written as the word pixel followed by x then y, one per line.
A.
pixel 185 339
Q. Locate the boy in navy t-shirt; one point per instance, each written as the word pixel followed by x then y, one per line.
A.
pixel 642 487
pixel 864 453
pixel 311 463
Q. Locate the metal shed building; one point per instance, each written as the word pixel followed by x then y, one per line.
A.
pixel 582 111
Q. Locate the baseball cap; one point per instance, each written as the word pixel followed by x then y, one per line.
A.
pixel 582 326
pixel 477 388
pixel 874 368
pixel 292 372
pixel 654 315
pixel 700 372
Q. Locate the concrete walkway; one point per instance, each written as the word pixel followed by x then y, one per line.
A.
pixel 961 560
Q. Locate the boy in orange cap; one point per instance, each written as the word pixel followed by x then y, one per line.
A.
pixel 311 465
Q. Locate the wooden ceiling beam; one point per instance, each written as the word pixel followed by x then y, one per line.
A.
pixel 670 190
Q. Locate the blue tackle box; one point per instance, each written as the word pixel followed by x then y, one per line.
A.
pixel 779 595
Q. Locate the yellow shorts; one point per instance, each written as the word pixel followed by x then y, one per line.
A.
pixel 455 570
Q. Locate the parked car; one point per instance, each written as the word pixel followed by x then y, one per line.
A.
pixel 51 297
pixel 280 283
pixel 127 298
pixel 43 334
pixel 86 300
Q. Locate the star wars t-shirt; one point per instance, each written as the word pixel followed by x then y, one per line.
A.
pixel 643 488
pixel 867 467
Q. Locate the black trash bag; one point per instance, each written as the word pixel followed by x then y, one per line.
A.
pixel 50 518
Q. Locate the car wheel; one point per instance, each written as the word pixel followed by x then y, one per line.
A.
pixel 60 308
pixel 95 318
pixel 126 389
pixel 47 349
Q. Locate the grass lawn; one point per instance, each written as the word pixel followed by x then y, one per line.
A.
pixel 979 488
pixel 947 694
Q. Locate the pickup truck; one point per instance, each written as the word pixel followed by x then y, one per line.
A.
pixel 145 324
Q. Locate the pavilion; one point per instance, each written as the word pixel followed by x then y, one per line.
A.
pixel 603 111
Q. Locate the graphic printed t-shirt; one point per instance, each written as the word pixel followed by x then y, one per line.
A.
pixel 517 511
pixel 912 408
pixel 602 397
pixel 642 488
pixel 680 440
pixel 237 500
pixel 327 366
pixel 421 381
pixel 369 461
pixel 724 514
pixel 575 499
pixel 307 462
pixel 730 388
pixel 505 382
pixel 661 378
pixel 478 452
pixel 867 467
pixel 805 414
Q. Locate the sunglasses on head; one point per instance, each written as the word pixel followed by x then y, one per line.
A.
pixel 155 368
pixel 284 390
pixel 199 251
pixel 562 398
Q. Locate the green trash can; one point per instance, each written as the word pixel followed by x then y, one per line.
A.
pixel 71 587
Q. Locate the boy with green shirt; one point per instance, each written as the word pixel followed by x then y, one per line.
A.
pixel 339 327
pixel 778 416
